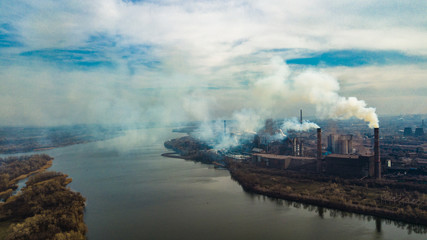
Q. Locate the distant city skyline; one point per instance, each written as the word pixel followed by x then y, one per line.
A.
pixel 127 62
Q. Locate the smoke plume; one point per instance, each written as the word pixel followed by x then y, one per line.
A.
pixel 322 90
pixel 242 127
pixel 294 125
pixel 313 87
pixel 281 85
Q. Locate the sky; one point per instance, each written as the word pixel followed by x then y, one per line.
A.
pixel 131 62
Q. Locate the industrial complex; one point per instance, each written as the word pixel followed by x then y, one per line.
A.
pixel 336 164
pixel 338 158
pixel 348 149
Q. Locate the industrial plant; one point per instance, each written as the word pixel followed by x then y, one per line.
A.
pixel 338 158
pixel 349 149
pixel 335 164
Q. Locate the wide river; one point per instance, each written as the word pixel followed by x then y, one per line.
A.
pixel 133 192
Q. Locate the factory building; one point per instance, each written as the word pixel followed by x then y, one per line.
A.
pixel 298 147
pixel 346 165
pixel 319 151
pixel 284 161
pixel 419 132
pixel 341 162
pixel 340 144
pixel 407 132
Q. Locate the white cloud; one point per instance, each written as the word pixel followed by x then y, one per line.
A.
pixel 200 46
pixel 210 28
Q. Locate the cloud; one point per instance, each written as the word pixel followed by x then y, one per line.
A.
pixel 392 89
pixel 216 26
pixel 111 61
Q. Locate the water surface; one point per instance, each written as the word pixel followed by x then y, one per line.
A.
pixel 134 193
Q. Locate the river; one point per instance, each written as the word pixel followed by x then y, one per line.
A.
pixel 133 192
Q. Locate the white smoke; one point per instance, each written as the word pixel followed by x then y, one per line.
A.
pixel 294 125
pixel 247 120
pixel 321 90
pixel 309 86
pixel 227 141
pixel 242 126
pixel 270 95
pixel 277 136
pixel 209 131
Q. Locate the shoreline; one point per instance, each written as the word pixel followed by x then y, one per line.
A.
pixel 404 201
pixel 41 169
pixel 24 176
pixel 173 155
pixel 376 211
pixel 45 199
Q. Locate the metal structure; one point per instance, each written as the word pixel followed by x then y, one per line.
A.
pixel 377 153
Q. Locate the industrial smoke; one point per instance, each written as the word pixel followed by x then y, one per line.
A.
pixel 313 87
pixel 244 123
pixel 322 89
pixel 281 85
pixel 294 125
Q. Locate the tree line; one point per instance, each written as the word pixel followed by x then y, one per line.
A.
pixel 45 209
pixel 12 168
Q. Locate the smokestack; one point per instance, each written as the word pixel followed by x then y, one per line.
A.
pixel 225 127
pixel 377 153
pixel 300 116
pixel 319 150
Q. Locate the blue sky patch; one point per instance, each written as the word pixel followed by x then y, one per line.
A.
pixel 8 36
pixel 100 50
pixel 354 58
pixel 78 57
pixel 102 41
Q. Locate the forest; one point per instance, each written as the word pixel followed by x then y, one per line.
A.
pixel 13 169
pixel 45 208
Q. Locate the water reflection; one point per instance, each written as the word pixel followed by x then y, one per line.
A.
pixel 378 224
pixel 333 213
pixel 320 211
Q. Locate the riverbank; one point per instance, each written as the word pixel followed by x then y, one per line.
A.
pixel 41 169
pixel 403 200
pixel 381 200
pixel 13 169
pixel 45 208
pixel 14 181
pixel 31 139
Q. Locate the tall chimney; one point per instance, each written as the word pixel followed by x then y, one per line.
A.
pixel 319 150
pixel 300 116
pixel 225 127
pixel 377 153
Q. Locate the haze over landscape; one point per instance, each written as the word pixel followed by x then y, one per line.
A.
pixel 213 119
pixel 133 62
